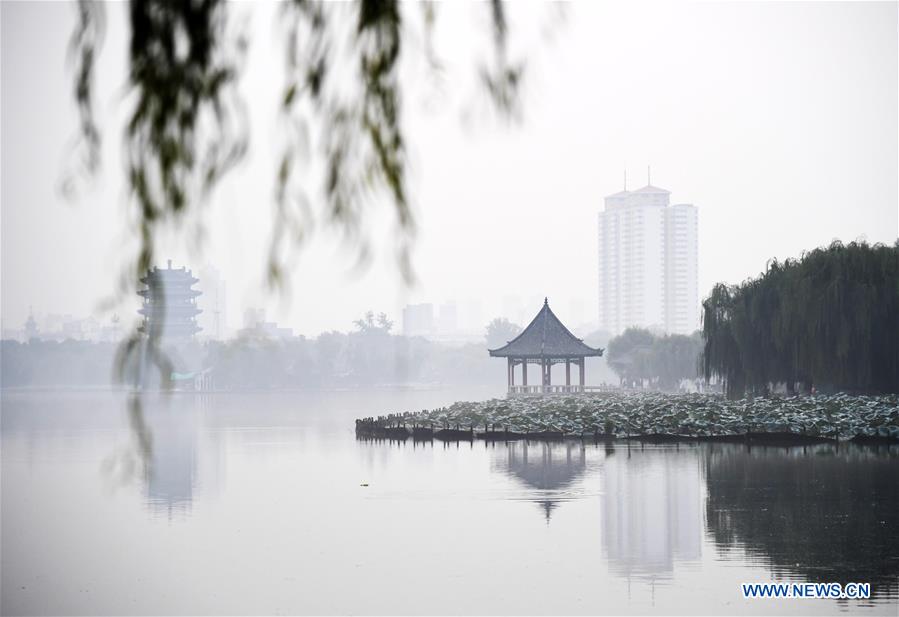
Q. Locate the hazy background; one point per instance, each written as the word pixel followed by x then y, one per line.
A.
pixel 777 120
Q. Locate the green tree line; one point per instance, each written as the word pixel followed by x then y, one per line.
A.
pixel 828 320
pixel 640 357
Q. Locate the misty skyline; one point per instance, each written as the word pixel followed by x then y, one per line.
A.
pixel 777 121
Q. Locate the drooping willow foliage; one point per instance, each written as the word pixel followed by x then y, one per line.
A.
pixel 341 111
pixel 829 320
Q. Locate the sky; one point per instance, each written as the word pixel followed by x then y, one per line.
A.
pixel 778 121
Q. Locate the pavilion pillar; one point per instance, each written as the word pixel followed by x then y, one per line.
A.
pixel 524 371
pixel 582 362
pixel 567 371
pixel 508 374
pixel 511 372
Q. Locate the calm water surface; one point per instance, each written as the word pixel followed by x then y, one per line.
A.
pixel 253 503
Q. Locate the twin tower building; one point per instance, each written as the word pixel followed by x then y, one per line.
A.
pixel 648 254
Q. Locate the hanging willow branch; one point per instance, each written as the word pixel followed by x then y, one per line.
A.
pixel 829 319
pixel 83 48
pixel 188 126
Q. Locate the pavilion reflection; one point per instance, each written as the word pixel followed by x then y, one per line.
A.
pixel 548 468
pixel 651 509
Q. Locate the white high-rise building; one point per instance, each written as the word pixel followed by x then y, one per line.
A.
pixel 681 269
pixel 648 263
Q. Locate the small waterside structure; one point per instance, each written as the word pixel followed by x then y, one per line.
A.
pixel 545 342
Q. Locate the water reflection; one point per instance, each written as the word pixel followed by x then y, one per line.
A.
pixel 651 505
pixel 171 473
pixel 815 513
pixel 570 526
pixel 548 469
pixel 821 513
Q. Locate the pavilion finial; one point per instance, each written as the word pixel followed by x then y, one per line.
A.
pixel 545 301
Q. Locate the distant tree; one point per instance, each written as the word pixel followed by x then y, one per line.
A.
pixel 500 331
pixel 630 354
pixel 663 361
pixel 675 357
pixel 369 323
pixel 330 349
pixel 383 323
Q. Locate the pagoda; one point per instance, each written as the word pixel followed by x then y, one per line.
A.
pixel 546 341
pixel 170 309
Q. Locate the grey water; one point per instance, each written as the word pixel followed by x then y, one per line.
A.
pixel 267 503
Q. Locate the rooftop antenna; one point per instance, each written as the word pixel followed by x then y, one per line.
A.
pixel 625 178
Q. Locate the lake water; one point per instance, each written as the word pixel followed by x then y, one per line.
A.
pixel 255 503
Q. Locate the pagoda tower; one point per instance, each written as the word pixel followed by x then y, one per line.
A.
pixel 170 308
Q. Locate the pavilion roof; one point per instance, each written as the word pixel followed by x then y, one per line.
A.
pixel 545 337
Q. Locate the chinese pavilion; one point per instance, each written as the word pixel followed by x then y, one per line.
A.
pixel 546 341
pixel 170 308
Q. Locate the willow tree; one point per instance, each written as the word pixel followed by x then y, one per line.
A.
pixel 829 320
pixel 341 110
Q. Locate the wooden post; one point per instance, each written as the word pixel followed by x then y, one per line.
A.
pixel 583 361
pixel 567 372
pixel 512 372
pixel 524 372
pixel 508 374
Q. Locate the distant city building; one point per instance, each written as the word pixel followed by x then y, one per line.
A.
pixel 214 319
pixel 111 333
pixel 448 318
pixel 31 330
pixel 418 319
pixel 255 326
pixel 253 317
pixel 56 327
pixel 648 258
pixel 170 307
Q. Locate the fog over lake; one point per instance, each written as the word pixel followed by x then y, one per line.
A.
pixel 254 503
pixel 448 308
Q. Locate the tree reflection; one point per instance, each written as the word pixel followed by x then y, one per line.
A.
pixel 824 513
